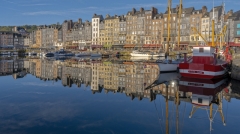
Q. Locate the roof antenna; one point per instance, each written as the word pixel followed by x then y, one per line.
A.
pixel 213 10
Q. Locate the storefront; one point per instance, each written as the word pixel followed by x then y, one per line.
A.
pixel 98 47
pixel 152 46
pixel 107 46
pixel 129 46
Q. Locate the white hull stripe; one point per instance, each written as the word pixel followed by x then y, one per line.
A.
pixel 202 85
pixel 201 72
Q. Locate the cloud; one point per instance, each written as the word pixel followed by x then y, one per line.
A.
pixel 36 5
pixel 90 9
pixel 37 84
pixel 44 13
pixel 145 5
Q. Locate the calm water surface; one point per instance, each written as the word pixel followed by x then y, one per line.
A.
pixel 111 96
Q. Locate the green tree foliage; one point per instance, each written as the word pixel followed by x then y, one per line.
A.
pixel 29 28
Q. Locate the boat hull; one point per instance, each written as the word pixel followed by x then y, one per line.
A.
pixel 143 55
pixel 203 71
pixel 96 55
pixel 83 54
pixel 167 67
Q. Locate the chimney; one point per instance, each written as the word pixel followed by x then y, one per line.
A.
pixel 177 8
pixel 70 24
pixel 230 13
pixel 80 21
pixel 204 10
pixel 133 11
pixel 15 29
pixel 107 16
pixel 154 10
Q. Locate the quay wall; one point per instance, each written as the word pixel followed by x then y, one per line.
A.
pixel 235 72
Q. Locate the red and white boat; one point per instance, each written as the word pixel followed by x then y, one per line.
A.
pixel 204 64
pixel 202 90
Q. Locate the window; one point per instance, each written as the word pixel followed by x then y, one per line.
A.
pixel 199 100
pixel 238 25
pixel 201 50
pixel 238 32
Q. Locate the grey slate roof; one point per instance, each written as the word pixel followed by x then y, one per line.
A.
pixel 188 10
pixel 157 16
pixel 206 15
pixel 173 10
pixel 216 8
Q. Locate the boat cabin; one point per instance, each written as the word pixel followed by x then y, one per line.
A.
pixel 201 100
pixel 203 55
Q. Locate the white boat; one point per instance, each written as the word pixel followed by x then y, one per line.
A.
pixel 32 53
pixel 96 55
pixel 63 53
pixel 49 54
pixel 82 54
pixel 144 54
pixel 5 53
pixel 169 65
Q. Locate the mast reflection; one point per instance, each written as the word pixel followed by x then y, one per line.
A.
pixel 136 79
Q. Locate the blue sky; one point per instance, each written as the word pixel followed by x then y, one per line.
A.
pixel 39 12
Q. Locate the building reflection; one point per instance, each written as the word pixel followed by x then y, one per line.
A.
pixel 135 79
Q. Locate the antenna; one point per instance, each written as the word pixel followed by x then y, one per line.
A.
pixel 213 10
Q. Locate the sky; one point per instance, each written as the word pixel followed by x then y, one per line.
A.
pixel 45 12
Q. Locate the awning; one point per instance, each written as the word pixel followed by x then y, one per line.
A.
pixel 152 45
pixel 233 44
pixel 155 45
pixel 129 46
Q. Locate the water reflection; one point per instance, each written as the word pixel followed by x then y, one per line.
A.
pixel 139 80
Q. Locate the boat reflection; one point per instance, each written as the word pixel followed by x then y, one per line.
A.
pixel 206 95
pixel 135 80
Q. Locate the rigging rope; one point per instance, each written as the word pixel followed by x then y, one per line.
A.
pixel 158 117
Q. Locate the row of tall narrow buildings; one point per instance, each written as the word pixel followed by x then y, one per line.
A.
pixel 138 29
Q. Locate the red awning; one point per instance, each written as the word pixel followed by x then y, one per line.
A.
pixel 146 45
pixel 233 44
pixel 152 45
pixel 155 45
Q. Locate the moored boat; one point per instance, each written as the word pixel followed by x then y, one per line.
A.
pixel 204 64
pixel 82 54
pixel 63 53
pixel 49 54
pixel 144 54
pixel 96 55
pixel 32 54
pixel 168 65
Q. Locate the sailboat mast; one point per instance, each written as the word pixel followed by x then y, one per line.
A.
pixel 179 21
pixel 177 114
pixel 213 27
pixel 168 25
pixel 167 127
pixel 222 21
